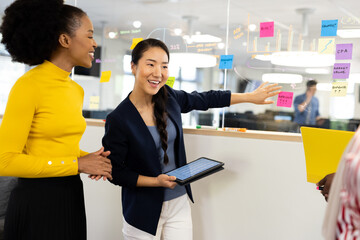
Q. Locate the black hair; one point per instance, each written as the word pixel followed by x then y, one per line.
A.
pixel 160 98
pixel 310 83
pixel 31 28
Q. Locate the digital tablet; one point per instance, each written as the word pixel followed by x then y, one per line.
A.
pixel 195 170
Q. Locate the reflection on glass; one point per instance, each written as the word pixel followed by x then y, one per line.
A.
pixel 197 40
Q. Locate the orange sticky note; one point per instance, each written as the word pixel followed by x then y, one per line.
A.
pixel 105 76
pixel 170 82
pixel 135 41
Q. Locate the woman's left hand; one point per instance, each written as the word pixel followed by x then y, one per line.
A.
pixel 97 177
pixel 264 91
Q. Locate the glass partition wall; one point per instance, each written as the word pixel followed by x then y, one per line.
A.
pixel 284 42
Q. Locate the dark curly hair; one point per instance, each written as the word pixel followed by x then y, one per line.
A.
pixel 31 28
pixel 160 98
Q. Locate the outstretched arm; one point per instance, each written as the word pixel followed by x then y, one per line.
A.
pixel 258 96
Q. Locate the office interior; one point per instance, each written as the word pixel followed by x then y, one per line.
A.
pixel 262 193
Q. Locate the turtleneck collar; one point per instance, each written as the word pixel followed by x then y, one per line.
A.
pixel 55 70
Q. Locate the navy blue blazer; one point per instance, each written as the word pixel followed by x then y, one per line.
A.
pixel 133 152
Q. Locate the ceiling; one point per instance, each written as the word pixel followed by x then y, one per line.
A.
pixel 210 16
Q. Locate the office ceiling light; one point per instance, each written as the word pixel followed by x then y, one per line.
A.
pixel 188 39
pixel 317 70
pixel 137 24
pixel 262 57
pixel 221 45
pixel 201 38
pixel 112 35
pixel 177 31
pixel 197 60
pixel 348 33
pixel 302 59
pixel 282 78
pixel 252 27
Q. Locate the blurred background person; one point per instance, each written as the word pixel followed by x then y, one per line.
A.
pixel 307 106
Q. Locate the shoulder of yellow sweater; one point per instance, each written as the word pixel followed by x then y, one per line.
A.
pixel 29 80
pixel 78 86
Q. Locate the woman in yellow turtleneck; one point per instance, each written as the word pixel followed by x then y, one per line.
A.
pixel 43 122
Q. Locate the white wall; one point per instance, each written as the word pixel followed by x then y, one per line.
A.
pixel 261 194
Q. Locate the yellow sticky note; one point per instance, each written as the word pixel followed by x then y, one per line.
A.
pixel 339 89
pixel 170 82
pixel 323 150
pixel 94 102
pixel 135 41
pixel 105 76
pixel 326 45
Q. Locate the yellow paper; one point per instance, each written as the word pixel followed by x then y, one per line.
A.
pixel 170 82
pixel 105 76
pixel 326 45
pixel 323 150
pixel 135 41
pixel 339 89
pixel 94 102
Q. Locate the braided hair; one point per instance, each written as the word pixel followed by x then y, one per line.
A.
pixel 160 98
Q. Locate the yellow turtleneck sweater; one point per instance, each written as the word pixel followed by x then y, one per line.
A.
pixel 42 125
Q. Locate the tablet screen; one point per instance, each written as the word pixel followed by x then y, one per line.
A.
pixel 193 168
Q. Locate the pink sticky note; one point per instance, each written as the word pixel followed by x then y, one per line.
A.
pixel 266 29
pixel 285 99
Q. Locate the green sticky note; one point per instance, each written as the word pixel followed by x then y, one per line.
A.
pixel 170 82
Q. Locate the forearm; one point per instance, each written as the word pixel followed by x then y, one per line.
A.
pixel 144 181
pixel 23 165
pixel 302 106
pixel 241 98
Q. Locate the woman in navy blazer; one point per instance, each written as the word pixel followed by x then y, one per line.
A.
pixel 145 137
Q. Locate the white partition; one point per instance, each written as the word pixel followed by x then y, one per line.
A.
pixel 261 194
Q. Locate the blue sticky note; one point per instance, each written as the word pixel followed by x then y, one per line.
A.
pixel 226 61
pixel 329 28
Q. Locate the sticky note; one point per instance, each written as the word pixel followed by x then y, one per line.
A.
pixel 329 28
pixel 343 51
pixel 339 89
pixel 135 41
pixel 170 82
pixel 285 99
pixel 326 45
pixel 266 29
pixel 226 61
pixel 105 76
pixel 94 102
pixel 341 70
pixel 323 150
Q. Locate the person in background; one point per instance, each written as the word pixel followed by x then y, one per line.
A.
pixel 43 123
pixel 145 137
pixel 307 106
